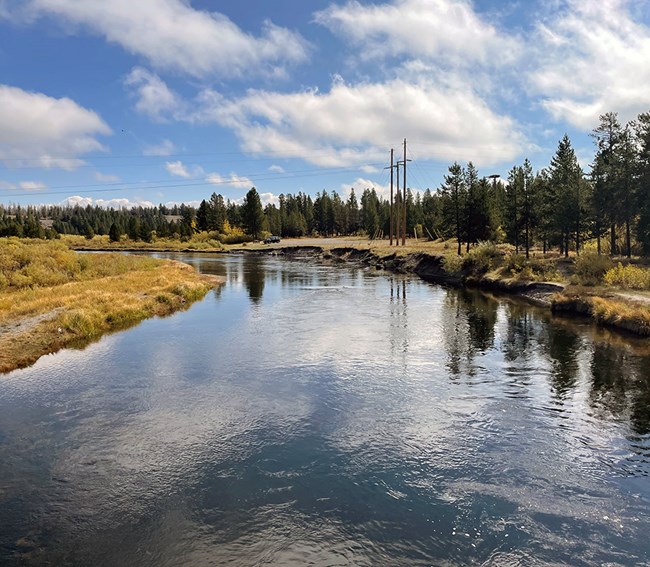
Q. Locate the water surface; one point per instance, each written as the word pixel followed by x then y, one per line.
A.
pixel 308 414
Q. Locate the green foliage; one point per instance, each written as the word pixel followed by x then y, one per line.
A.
pixel 452 264
pixel 481 258
pixel 591 268
pixel 252 214
pixel 514 263
pixel 628 277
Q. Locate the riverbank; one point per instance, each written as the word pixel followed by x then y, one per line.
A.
pixel 624 311
pixel 52 297
pixel 547 280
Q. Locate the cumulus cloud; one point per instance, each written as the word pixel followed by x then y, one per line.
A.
pixel 164 148
pixel 173 35
pixel 361 184
pixel 40 131
pixel 232 180
pixel 31 185
pixel 269 199
pixel 593 58
pixel 354 124
pixel 107 204
pixel 447 30
pixel 154 98
pixel 276 169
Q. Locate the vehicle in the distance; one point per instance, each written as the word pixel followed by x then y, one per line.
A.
pixel 271 239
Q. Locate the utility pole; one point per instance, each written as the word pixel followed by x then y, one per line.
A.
pixel 397 208
pixel 404 226
pixel 401 215
pixel 391 196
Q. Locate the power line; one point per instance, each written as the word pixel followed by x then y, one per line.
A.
pixel 198 183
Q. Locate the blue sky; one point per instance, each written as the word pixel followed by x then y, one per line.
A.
pixel 127 102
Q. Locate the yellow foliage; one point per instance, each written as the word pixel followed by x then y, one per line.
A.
pixel 628 277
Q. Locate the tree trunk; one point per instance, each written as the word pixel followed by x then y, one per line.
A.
pixel 628 238
pixel 612 236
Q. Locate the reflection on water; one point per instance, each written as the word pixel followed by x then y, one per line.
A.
pixel 306 414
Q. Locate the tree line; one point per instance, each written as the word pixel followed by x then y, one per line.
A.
pixel 557 207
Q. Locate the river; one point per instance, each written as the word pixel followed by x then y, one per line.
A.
pixel 305 414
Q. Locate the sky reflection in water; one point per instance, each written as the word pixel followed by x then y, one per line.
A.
pixel 333 415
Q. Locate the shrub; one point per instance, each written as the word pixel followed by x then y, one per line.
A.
pixel 234 238
pixel 481 258
pixel 452 264
pixel 628 277
pixel 590 268
pixel 514 263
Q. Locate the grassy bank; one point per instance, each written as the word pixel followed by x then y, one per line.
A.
pixel 52 297
pixel 617 293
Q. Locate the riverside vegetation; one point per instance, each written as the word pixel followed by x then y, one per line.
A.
pixel 52 297
pixel 615 294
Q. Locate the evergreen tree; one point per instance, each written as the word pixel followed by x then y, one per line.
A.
pixel 114 233
pixel 642 136
pixel 352 213
pixel 252 214
pixel 455 191
pixel 217 213
pixel 203 216
pixel 567 188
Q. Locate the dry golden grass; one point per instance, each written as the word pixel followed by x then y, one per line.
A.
pixel 117 292
pixel 634 317
pixel 101 242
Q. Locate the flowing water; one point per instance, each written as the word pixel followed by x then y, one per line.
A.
pixel 305 414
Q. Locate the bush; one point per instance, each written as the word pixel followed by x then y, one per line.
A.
pixel 628 277
pixel 452 264
pixel 591 268
pixel 481 258
pixel 234 238
pixel 514 263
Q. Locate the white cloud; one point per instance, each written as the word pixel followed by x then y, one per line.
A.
pixel 6 185
pixel 361 184
pixel 232 180
pixel 276 169
pixel 104 178
pixel 269 198
pixel 107 204
pixel 179 169
pixel 593 58
pixel 171 34
pixel 448 30
pixel 165 148
pixel 355 124
pixel 32 185
pixel 155 98
pixel 40 131
pixel 194 204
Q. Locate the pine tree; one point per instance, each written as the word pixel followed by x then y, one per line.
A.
pixel 567 189
pixel 642 137
pixel 454 191
pixel 252 214
pixel 114 233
